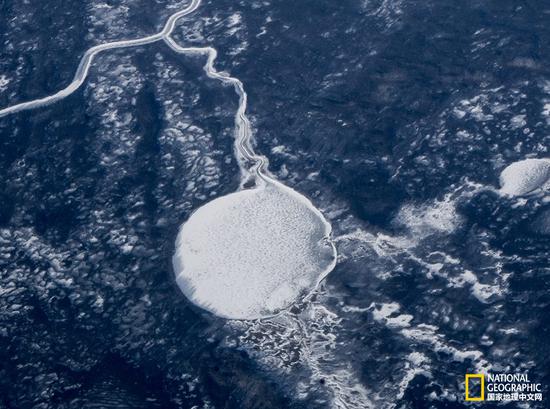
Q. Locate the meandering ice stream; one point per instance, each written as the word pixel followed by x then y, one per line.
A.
pixel 247 255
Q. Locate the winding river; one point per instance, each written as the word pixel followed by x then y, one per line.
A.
pixel 250 254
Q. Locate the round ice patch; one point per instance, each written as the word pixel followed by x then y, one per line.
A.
pixel 253 253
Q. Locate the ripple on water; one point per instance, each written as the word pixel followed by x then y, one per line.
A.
pixel 253 253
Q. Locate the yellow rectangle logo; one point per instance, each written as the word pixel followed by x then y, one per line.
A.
pixel 481 377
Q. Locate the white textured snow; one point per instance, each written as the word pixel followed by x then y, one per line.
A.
pixel 525 176
pixel 253 253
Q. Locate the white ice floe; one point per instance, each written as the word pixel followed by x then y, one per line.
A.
pixel 525 176
pixel 253 253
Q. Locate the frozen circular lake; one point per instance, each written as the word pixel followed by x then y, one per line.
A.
pixel 253 253
pixel 525 176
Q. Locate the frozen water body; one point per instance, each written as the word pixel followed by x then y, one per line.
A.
pixel 525 176
pixel 253 253
pixel 249 254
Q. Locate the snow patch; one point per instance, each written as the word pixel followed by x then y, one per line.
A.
pixel 526 176
pixel 253 253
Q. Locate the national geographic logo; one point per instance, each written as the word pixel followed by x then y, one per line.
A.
pixel 475 378
pixel 501 387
